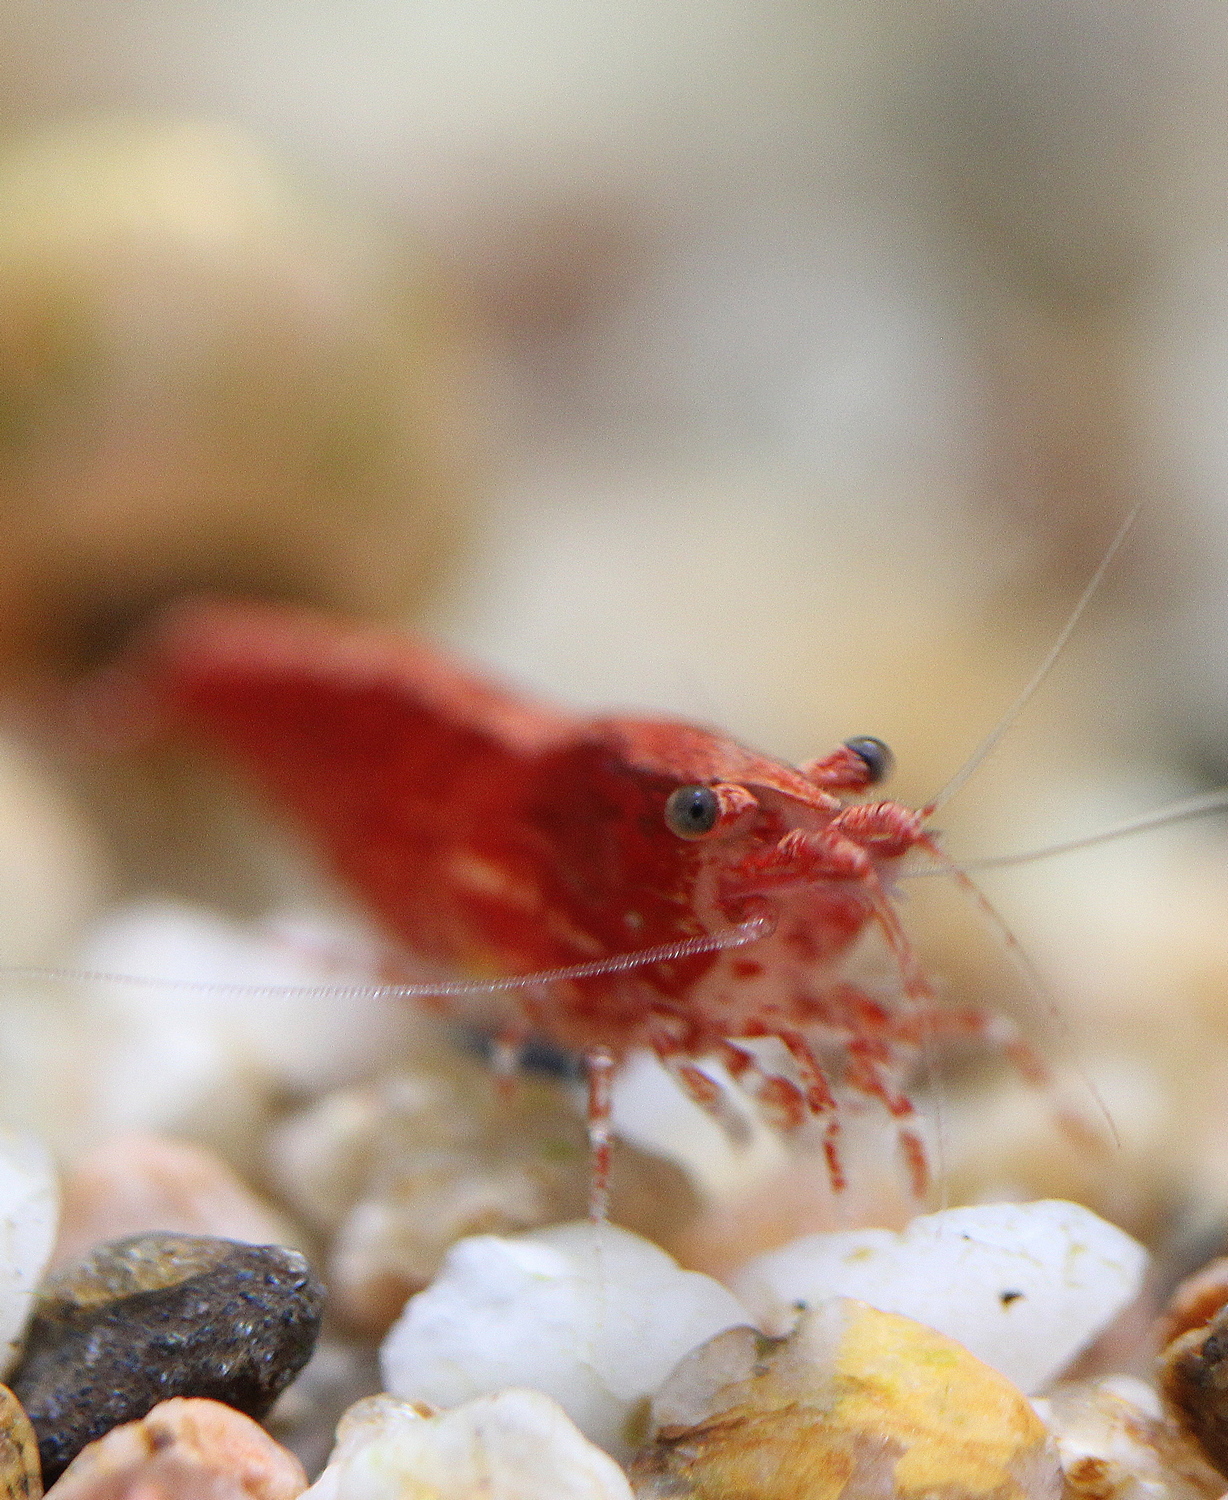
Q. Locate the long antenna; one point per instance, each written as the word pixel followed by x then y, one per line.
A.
pixel 1173 812
pixel 990 743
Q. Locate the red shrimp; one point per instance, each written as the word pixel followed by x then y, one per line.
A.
pixel 664 886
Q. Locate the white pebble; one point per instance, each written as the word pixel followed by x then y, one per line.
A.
pixel 204 1061
pixel 594 1316
pixel 1024 1286
pixel 515 1445
pixel 29 1211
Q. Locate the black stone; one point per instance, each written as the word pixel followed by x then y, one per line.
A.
pixel 141 1320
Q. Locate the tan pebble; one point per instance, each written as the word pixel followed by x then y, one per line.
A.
pixel 399 1172
pixel 140 1184
pixel 1193 1377
pixel 853 1403
pixel 304 427
pixel 1196 1301
pixel 322 1158
pixel 1115 1443
pixel 185 1449
pixel 21 1476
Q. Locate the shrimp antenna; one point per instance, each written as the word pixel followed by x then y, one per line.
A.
pixel 990 743
pixel 740 936
pixel 1173 812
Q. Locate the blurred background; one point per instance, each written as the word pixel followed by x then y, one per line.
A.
pixel 782 364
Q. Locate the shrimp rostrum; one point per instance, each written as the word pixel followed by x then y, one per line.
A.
pixel 645 883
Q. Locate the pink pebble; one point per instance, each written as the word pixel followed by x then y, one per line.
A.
pixel 184 1449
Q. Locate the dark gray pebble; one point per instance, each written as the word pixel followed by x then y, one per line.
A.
pixel 161 1315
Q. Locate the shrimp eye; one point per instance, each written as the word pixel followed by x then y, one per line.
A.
pixel 692 811
pixel 879 761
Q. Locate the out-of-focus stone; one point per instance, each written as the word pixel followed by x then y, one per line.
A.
pixel 1195 1302
pixel 184 1447
pixel 52 880
pixel 200 1060
pixel 397 1173
pixel 21 1476
pixel 140 1184
pixel 29 1209
pixel 511 1445
pixel 590 1314
pixel 162 1315
pixel 854 1403
pixel 1114 1443
pixel 797 1199
pixel 1002 1138
pixel 1193 1376
pixel 322 1158
pixel 1024 1286
pixel 206 376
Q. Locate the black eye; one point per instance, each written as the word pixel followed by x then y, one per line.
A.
pixel 692 811
pixel 878 759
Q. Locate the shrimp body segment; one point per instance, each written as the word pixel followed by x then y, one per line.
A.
pixel 499 836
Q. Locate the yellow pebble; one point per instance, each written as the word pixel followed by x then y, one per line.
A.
pixel 853 1402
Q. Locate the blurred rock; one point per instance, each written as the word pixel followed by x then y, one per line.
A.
pixel 1193 1377
pixel 305 1416
pixel 208 381
pixel 140 1183
pixel 52 864
pixel 1195 1301
pixel 1112 1149
pixel 202 1059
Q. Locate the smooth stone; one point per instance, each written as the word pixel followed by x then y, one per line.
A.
pixel 144 1184
pixel 1024 1286
pixel 184 1448
pixel 162 1315
pixel 512 1445
pixel 21 1476
pixel 853 1403
pixel 592 1315
pixel 29 1209
pixel 1115 1442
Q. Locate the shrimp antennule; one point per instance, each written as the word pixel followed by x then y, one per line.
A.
pixel 739 936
